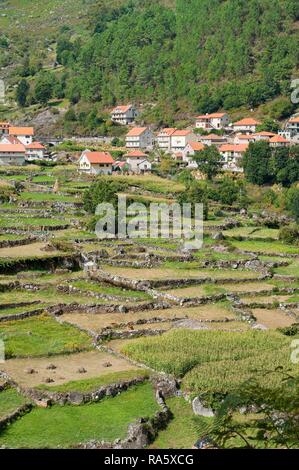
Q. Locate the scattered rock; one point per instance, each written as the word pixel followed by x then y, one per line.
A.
pixel 48 380
pixel 107 364
pixel 51 367
pixel 30 371
pixel 81 370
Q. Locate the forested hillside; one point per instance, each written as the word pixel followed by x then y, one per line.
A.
pixel 185 56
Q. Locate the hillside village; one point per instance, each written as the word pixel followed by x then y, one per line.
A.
pixel 125 322
pixel 144 146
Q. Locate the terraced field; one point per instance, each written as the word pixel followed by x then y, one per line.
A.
pixel 89 325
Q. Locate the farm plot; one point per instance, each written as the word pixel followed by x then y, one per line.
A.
pixel 97 322
pixel 272 318
pixel 66 426
pixel 28 251
pixel 96 365
pixel 204 290
pixel 180 351
pixel 252 233
pixel 265 247
pixel 172 273
pixel 10 400
pixel 41 336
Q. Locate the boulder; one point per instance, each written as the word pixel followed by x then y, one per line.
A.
pixel 165 384
pixel 200 410
pixel 218 236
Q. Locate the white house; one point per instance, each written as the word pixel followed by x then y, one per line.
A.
pixel 293 126
pixel 244 138
pixel 232 155
pixel 212 139
pixel 144 167
pixel 180 138
pixel 139 138
pixel 138 161
pixel 35 151
pixel 23 134
pixel 124 115
pixel 12 154
pixel 164 138
pixel 246 125
pixel 190 149
pixel 278 141
pixel 96 163
pixel 212 121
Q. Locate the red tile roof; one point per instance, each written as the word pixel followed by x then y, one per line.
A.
pixel 21 131
pixel 12 148
pixel 136 131
pixel 122 109
pixel 265 134
pixel 247 122
pixel 182 132
pixel 233 148
pixel 168 131
pixel 278 139
pixel 246 137
pixel 294 119
pixel 99 158
pixel 196 146
pixel 211 116
pixel 136 154
pixel 35 146
pixel 212 137
pixel 12 139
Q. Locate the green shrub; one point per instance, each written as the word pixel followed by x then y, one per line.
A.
pixel 289 234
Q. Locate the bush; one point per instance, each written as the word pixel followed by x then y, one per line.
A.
pixel 289 234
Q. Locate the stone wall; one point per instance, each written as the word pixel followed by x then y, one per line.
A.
pixel 48 398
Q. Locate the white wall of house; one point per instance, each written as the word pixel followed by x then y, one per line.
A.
pixel 34 154
pixel 179 142
pixel 141 141
pixel 210 122
pixel 25 139
pixel 164 141
pixel 245 128
pixel 232 161
pixel 144 166
pixel 293 127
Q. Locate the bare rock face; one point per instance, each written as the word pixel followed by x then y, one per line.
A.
pixel 200 410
